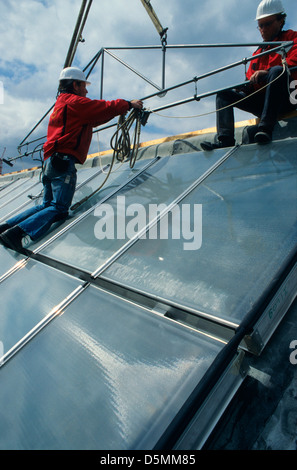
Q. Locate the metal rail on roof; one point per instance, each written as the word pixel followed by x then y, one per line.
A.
pixel 279 46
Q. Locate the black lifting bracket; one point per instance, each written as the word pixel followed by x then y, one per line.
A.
pixel 143 116
pixel 195 79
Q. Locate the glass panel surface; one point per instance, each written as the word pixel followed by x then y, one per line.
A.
pixel 84 174
pixel 90 242
pixel 3 184
pixel 26 187
pixel 8 259
pixel 21 203
pixel 249 227
pixel 120 173
pixel 104 375
pixel 10 186
pixel 27 296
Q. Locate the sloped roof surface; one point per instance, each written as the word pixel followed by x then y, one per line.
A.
pixel 117 343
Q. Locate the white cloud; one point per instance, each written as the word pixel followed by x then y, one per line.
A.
pixel 35 36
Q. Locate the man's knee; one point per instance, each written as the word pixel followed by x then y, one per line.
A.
pixel 41 206
pixel 59 209
pixel 224 98
pixel 61 216
pixel 275 72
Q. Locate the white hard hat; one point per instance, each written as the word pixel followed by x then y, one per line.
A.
pixel 73 73
pixel 268 8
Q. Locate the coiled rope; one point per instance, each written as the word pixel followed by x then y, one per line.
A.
pixel 122 148
pixel 121 141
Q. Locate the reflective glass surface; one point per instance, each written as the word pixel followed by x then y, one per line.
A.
pixel 249 227
pixel 3 184
pixel 8 186
pixel 27 296
pixel 22 202
pixel 83 174
pixel 106 229
pixel 9 259
pixel 106 374
pixel 120 173
pixel 27 185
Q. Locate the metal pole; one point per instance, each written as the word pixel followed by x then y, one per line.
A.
pixel 79 35
pixel 93 62
pixel 164 44
pixel 43 117
pixel 95 58
pixel 102 75
pixel 68 59
pixel 202 46
pixel 133 70
pixel 197 97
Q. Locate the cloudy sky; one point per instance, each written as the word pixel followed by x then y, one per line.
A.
pixel 36 34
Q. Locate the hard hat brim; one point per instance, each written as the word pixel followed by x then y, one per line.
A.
pixel 270 14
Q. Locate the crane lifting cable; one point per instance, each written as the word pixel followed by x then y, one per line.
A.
pixel 152 14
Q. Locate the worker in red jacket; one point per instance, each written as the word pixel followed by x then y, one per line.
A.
pixel 68 139
pixel 266 71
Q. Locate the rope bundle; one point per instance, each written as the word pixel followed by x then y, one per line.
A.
pixel 121 146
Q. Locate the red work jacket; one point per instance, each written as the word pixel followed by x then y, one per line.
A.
pixel 72 120
pixel 270 60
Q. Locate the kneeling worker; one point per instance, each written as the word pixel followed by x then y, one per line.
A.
pixel 68 140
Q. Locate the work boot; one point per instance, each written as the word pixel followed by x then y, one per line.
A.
pixel 263 136
pixel 4 227
pixel 248 134
pixel 208 146
pixel 12 238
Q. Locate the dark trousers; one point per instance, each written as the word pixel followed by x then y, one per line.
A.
pixel 267 104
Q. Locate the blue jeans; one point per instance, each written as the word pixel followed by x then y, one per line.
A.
pixel 58 193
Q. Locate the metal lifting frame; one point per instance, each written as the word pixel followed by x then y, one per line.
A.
pixel 280 47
